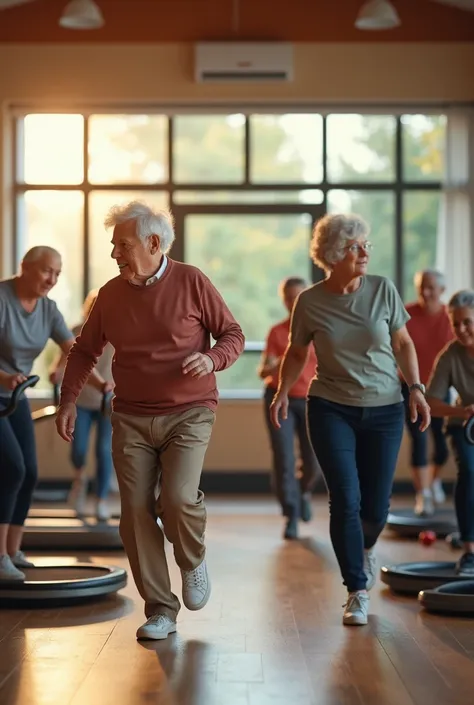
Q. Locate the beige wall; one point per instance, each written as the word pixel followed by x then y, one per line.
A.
pixel 239 443
pixel 64 76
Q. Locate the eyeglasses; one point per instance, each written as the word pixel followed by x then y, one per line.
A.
pixel 358 247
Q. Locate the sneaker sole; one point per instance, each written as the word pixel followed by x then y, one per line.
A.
pixel 203 603
pixel 158 637
pixel 354 622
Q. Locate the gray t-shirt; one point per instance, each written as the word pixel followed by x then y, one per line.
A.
pixel 23 335
pixel 454 367
pixel 91 398
pixel 351 334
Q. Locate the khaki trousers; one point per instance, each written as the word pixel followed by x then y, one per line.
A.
pixel 166 451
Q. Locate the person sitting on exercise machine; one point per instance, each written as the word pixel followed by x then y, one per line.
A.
pixel 454 367
pixel 28 318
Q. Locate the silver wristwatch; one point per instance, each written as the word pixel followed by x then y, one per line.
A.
pixel 421 387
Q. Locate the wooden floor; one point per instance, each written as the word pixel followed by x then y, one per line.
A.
pixel 271 634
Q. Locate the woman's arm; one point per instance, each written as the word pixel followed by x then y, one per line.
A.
pixel 293 364
pixel 439 408
pixel 405 355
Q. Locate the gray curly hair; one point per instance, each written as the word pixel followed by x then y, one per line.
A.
pixel 462 299
pixel 331 235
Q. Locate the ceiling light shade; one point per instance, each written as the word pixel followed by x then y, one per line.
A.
pixel 377 14
pixel 81 14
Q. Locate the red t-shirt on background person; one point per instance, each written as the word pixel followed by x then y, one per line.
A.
pixel 430 334
pixel 276 344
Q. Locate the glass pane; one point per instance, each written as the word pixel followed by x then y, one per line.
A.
pixel 53 149
pixel 55 218
pixel 246 256
pixel 242 376
pixel 378 209
pixel 286 148
pixel 420 229
pixel 208 149
pixel 360 148
pixel 313 196
pixel 101 266
pixel 128 149
pixel 423 147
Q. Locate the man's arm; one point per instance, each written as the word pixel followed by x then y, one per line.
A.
pixel 83 356
pixel 57 368
pixel 225 330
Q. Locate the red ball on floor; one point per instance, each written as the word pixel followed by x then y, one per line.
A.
pixel 427 537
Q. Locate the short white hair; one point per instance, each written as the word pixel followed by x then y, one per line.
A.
pixel 149 221
pixel 331 235
pixel 462 299
pixel 439 276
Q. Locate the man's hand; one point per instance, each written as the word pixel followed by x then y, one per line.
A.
pixel 279 404
pixel 55 376
pixel 12 381
pixel 419 405
pixel 108 387
pixel 198 365
pixel 66 420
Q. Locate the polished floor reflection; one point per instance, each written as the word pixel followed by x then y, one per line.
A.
pixel 271 634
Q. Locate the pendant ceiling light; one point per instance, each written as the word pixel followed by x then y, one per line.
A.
pixel 82 14
pixel 377 14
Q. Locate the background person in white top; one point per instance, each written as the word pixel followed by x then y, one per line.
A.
pixel 89 413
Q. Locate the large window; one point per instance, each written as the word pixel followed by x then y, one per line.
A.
pixel 245 191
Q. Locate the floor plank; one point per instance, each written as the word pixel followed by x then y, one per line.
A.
pixel 271 634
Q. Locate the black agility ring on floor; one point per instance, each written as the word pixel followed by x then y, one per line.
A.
pixel 451 598
pixel 411 578
pixel 62 584
pixel 406 523
pixel 71 534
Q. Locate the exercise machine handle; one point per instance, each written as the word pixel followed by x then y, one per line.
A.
pixel 16 394
pixel 469 430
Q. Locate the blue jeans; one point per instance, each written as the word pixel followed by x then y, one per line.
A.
pixel 357 448
pixel 464 491
pixel 103 447
pixel 18 468
pixel 419 439
pixel 287 488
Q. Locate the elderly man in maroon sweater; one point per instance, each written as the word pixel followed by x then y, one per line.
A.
pixel 159 315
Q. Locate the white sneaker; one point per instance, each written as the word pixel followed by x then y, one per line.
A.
pixel 196 587
pixel 102 511
pixel 78 495
pixel 424 506
pixel 20 560
pixel 356 609
pixel 438 493
pixel 8 570
pixel 157 627
pixel 370 567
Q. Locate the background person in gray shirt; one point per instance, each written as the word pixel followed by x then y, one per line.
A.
pixel 454 367
pixel 356 323
pixel 28 318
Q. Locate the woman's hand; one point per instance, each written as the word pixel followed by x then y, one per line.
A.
pixel 12 381
pixel 419 405
pixel 279 404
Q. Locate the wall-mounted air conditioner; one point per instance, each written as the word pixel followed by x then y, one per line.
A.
pixel 243 61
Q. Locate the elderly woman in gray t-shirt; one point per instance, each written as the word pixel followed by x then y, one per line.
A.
pixel 454 368
pixel 356 323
